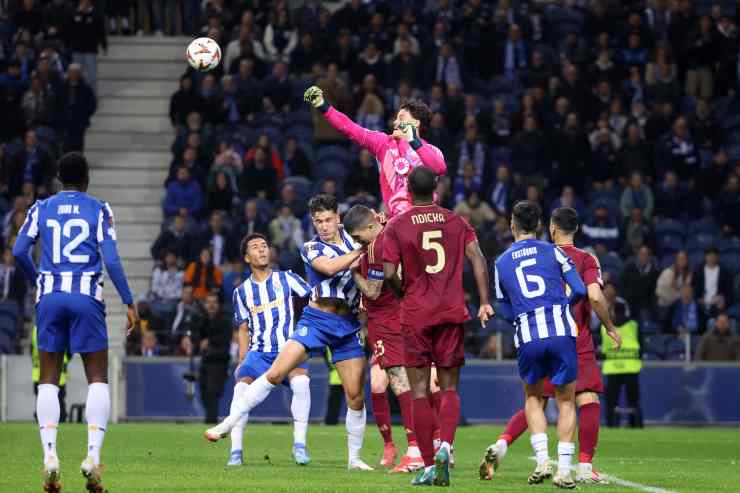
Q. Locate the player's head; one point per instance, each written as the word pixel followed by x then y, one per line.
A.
pixel 74 171
pixel 525 218
pixel 422 183
pixel 323 210
pixel 362 224
pixel 563 223
pixel 255 250
pixel 414 111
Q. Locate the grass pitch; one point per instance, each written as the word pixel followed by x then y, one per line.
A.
pixel 175 458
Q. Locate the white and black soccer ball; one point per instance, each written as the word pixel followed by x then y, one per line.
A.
pixel 203 54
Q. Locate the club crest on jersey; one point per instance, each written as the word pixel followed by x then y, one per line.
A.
pixel 402 165
pixel 302 331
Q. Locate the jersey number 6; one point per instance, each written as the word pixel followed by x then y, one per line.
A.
pixel 428 243
pixel 529 278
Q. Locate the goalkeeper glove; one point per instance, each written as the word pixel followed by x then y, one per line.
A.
pixel 315 97
pixel 410 134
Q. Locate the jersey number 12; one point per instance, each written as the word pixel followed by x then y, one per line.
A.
pixel 58 230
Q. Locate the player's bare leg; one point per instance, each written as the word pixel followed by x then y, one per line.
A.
pixel 352 373
pixel 292 355
pixel 538 429
pixel 382 412
pixel 399 382
pixel 424 421
pixel 236 456
pixel 47 411
pixel 565 395
pixel 300 408
pixel 97 413
pixel 589 417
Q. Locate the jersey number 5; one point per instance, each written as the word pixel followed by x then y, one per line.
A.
pixel 428 243
pixel 529 278
pixel 57 231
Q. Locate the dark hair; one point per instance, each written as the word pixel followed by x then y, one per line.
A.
pixel 419 110
pixel 422 183
pixel 358 217
pixel 526 215
pixel 711 249
pixel 322 202
pixel 565 219
pixel 73 169
pixel 250 237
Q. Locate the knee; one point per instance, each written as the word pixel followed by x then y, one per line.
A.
pixel 378 386
pixel 355 399
pixel 274 376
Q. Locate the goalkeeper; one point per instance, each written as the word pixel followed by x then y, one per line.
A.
pixel 397 154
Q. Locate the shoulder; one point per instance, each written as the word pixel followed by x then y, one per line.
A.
pixel 433 148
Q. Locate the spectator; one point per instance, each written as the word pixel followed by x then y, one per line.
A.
pixel 702 56
pixel 719 344
pixel 637 196
pixel 711 179
pixel 677 151
pixel 79 105
pixel 446 69
pixel 185 319
pixel 672 280
pixel 280 38
pixel 229 162
pixel 217 239
pixel 203 275
pixel 285 230
pixel 471 150
pixel 214 342
pixel 686 315
pixel 289 197
pixel 220 194
pixel 705 130
pixel 342 52
pixel 728 205
pixel 477 212
pixel 184 196
pixel 149 345
pixel 259 176
pixel 712 283
pixel 185 101
pixel 500 124
pixel 502 192
pixel 13 285
pixel 514 54
pixel 573 152
pixel 672 200
pixel 277 87
pixel 167 281
pixel 529 152
pixel 212 109
pixel 274 155
pixel 36 104
pixel 248 87
pixel 252 221
pixel 370 113
pixel 404 66
pixel 465 184
pixel 305 55
pixel 89 34
pixel 568 198
pixel 439 135
pixel 637 281
pixel 296 162
pixel 175 239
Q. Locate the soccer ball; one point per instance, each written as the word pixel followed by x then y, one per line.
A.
pixel 203 54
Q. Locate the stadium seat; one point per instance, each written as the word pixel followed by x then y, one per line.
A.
pixel 612 264
pixel 500 155
pixel 729 245
pixel 676 348
pixel 300 117
pixel 654 346
pixel 669 226
pixel 300 131
pixel 667 260
pixel 338 152
pixel 700 241
pixel 731 261
pixel 705 226
pixel 696 258
pixel 734 311
pixel 6 343
pixel 8 324
pixel 302 186
pixel 669 243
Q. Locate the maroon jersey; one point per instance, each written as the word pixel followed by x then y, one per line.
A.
pixel 588 267
pixel 386 306
pixel 429 244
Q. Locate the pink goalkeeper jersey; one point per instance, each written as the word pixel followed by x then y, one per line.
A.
pixel 395 159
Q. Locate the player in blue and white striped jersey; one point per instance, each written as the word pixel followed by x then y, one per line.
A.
pixel 263 311
pixel 329 320
pixel 530 289
pixel 77 237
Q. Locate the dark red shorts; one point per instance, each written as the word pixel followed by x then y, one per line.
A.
pixel 386 342
pixel 588 379
pixel 438 344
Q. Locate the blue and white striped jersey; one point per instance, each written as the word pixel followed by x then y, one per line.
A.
pixel 267 307
pixel 529 280
pixel 72 228
pixel 341 285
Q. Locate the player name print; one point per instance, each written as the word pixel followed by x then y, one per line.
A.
pixel 427 218
pixel 524 252
pixel 68 209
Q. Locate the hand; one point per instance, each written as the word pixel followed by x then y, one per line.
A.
pixel 132 320
pixel 381 217
pixel 203 344
pixel 614 335
pixel 485 312
pixel 314 96
pixel 354 266
pixel 406 131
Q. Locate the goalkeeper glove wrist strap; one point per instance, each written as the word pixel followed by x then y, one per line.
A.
pixel 415 144
pixel 324 107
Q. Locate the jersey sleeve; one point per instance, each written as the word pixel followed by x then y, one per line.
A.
pixel 591 272
pixel 374 260
pixel 566 264
pixel 298 286
pixel 27 236
pixel 106 226
pixel 313 250
pixel 391 244
pixel 30 228
pixel 505 308
pixel 468 231
pixel 241 314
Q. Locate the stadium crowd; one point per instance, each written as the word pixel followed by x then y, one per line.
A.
pixel 627 111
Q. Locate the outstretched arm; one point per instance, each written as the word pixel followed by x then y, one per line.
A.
pixel 363 137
